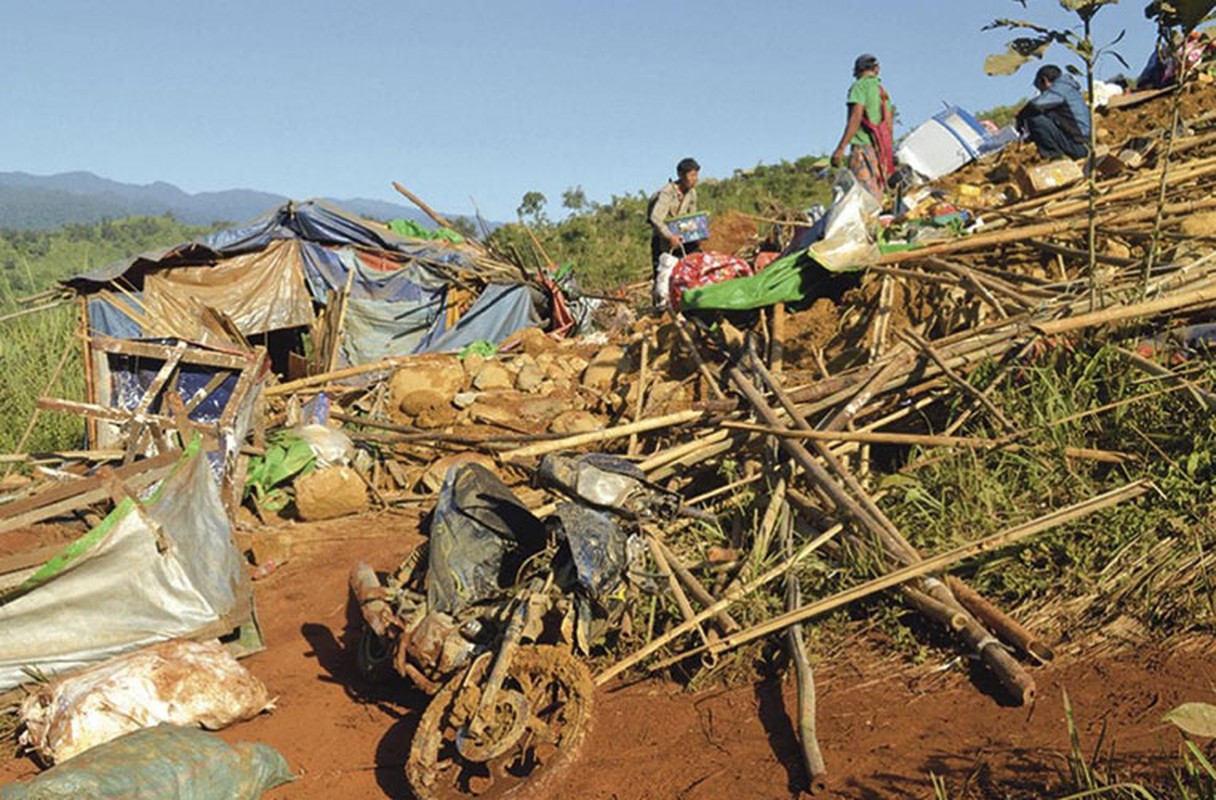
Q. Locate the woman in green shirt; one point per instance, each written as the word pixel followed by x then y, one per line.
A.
pixel 868 129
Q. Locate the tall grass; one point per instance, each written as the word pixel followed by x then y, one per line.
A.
pixel 31 347
pixel 1172 439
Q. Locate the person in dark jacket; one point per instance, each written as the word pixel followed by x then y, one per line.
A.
pixel 1057 120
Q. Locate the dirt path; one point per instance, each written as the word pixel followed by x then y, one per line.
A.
pixel 882 736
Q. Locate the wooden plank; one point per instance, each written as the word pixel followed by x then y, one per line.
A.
pixel 70 490
pixel 162 377
pixel 82 499
pixel 105 412
pixel 31 558
pixel 192 355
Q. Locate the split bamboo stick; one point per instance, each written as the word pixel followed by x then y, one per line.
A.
pixel 608 434
pixel 930 565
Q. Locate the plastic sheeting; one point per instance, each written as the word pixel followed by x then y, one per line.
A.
pixel 150 571
pixel 480 535
pixel 780 282
pixel 310 220
pixel 260 292
pixel 376 330
pixel 375 277
pixel 109 317
pixel 498 312
pixel 161 763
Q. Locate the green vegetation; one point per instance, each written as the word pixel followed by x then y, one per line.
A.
pixel 31 261
pixel 1057 396
pixel 609 243
pixel 41 353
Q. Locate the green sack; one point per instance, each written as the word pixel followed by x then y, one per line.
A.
pixel 780 282
pixel 168 762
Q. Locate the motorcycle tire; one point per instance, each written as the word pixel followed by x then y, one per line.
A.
pixel 557 692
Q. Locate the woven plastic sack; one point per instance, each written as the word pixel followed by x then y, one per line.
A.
pixel 162 763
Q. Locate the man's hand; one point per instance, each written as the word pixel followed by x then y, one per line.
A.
pixel 838 157
pixel 675 241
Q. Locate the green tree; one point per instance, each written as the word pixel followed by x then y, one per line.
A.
pixel 532 207
pixel 574 199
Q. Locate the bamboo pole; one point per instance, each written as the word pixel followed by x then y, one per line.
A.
pixel 694 587
pixel 681 328
pixel 930 565
pixel 804 677
pixel 430 212
pixel 338 374
pixel 641 401
pixel 608 434
pixel 1001 623
pixel 929 350
pixel 660 560
pixel 731 597
pixel 1124 313
pixel 37 412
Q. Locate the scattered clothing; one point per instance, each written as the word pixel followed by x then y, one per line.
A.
pixel 865 165
pixel 702 269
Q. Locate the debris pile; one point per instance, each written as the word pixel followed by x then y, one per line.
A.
pixel 768 427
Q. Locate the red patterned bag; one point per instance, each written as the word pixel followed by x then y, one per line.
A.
pixel 702 269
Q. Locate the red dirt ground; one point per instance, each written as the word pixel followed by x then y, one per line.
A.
pixel 882 733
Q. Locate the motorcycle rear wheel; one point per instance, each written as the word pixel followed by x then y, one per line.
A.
pixel 558 693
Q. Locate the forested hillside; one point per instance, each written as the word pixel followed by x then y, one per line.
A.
pixel 609 243
pixel 31 261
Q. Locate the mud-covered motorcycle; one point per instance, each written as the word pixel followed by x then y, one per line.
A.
pixel 488 617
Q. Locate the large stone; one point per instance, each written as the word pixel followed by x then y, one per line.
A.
pixel 541 408
pixel 421 401
pixel 495 415
pixel 576 422
pixel 529 378
pixel 432 479
pixel 493 376
pixel 473 363
pixel 604 368
pixel 532 341
pixel 444 376
pixel 330 492
pixel 1199 224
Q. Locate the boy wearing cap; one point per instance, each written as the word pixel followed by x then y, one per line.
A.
pixel 676 199
pixel 868 129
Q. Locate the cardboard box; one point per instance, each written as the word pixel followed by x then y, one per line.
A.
pixel 1043 178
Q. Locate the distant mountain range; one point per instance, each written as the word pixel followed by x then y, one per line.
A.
pixel 40 202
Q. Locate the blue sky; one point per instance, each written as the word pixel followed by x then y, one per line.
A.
pixel 478 100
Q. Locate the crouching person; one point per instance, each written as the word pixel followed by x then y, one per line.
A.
pixel 1057 120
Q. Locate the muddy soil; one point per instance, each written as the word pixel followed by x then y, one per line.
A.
pixel 885 726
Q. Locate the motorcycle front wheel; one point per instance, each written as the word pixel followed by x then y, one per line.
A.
pixel 537 727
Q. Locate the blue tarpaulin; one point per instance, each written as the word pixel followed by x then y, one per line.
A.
pixel 500 311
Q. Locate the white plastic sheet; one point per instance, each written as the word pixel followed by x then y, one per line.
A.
pixel 151 571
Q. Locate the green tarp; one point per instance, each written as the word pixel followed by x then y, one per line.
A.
pixel 415 230
pixel 789 279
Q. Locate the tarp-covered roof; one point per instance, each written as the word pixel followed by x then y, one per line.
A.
pixel 312 220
